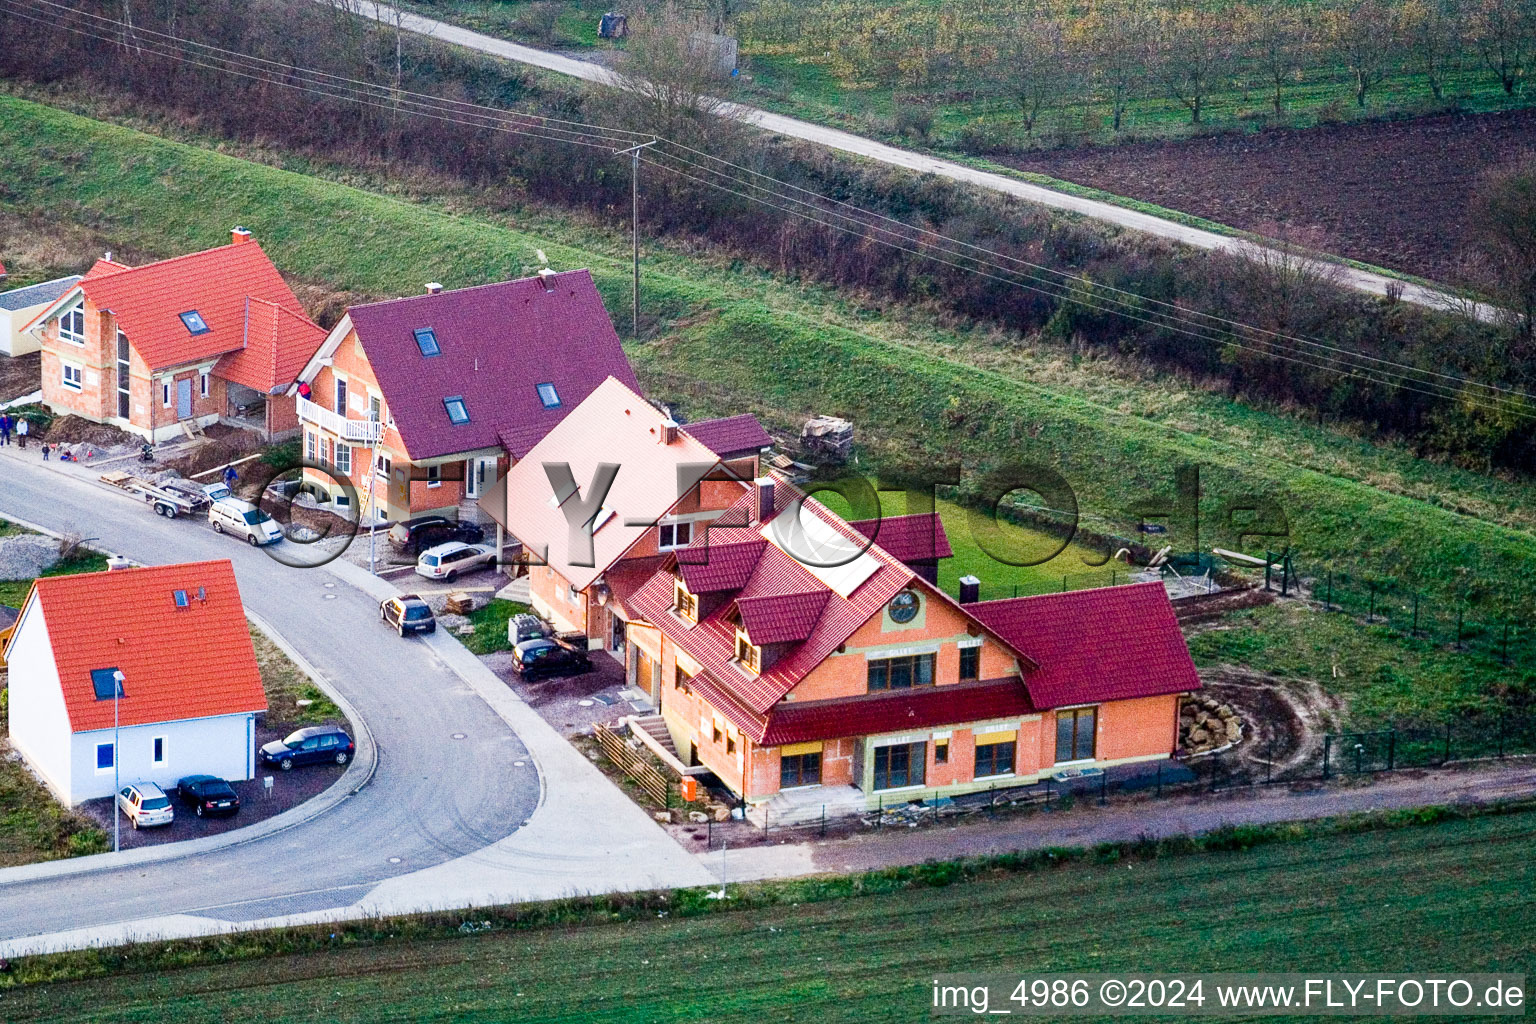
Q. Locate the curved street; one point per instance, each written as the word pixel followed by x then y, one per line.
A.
pixel 503 813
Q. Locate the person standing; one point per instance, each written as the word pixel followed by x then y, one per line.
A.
pixel 23 428
pixel 5 429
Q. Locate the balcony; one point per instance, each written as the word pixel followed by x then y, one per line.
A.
pixel 359 431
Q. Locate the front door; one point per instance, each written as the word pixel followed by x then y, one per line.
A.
pixel 479 477
pixel 184 398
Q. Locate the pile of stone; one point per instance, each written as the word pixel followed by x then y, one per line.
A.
pixel 1206 724
pixel 25 556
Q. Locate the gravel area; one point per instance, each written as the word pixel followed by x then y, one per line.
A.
pixel 25 556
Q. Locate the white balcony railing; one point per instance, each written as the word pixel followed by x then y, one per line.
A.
pixel 363 431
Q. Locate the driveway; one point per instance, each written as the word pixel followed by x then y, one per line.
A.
pixel 473 798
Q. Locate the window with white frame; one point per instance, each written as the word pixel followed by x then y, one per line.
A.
pixel 381 465
pixel 310 446
pixel 72 326
pixel 157 755
pixel 674 535
pixel 434 476
pixel 344 459
pixel 71 375
pixel 104 757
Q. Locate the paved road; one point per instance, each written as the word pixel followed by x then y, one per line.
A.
pixel 436 802
pixel 1361 280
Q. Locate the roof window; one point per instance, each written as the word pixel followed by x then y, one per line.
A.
pixel 107 682
pixel 181 599
pixel 549 396
pixel 458 412
pixel 194 322
pixel 426 340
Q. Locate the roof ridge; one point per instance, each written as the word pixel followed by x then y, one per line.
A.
pixel 466 288
pixel 184 256
pixel 1058 595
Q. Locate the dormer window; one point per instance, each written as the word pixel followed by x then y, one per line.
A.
pixel 426 340
pixel 72 326
pixel 194 322
pixel 548 396
pixel 685 604
pixel 458 412
pixel 750 656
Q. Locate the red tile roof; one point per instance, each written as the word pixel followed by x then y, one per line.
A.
pixel 1112 643
pixel 628 575
pixel 104 266
pixel 730 435
pixel 193 662
pixel 912 539
pixel 148 301
pixel 497 343
pixel 721 566
pixel 776 573
pixel 278 342
pixel 781 618
pixel 925 708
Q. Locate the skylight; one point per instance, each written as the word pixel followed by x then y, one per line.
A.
pixel 181 598
pixel 104 682
pixel 426 340
pixel 549 396
pixel 194 322
pixel 458 412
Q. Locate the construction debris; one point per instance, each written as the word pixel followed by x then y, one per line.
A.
pixel 828 438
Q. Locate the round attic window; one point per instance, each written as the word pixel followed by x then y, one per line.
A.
pixel 903 607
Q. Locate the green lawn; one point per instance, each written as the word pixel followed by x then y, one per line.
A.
pixel 490 622
pixel 1454 896
pixel 14 592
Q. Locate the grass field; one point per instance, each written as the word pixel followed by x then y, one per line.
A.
pixel 1450 896
pixel 731 339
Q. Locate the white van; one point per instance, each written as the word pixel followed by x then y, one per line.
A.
pixel 241 518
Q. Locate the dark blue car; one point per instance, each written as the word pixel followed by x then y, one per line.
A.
pixel 318 744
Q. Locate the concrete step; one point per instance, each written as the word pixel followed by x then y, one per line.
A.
pixel 806 806
pixel 656 728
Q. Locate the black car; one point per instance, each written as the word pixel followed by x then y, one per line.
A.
pixel 208 796
pixel 319 744
pixel 416 535
pixel 548 657
pixel 407 614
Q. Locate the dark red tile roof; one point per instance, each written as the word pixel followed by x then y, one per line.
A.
pixel 193 662
pixel 498 342
pixel 722 566
pixel 148 301
pixel 922 708
pixel 628 575
pixel 712 641
pixel 1111 643
pixel 912 539
pixel 781 618
pixel 730 435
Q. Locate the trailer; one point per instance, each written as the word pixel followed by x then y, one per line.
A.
pixel 172 499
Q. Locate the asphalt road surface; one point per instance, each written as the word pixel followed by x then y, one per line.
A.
pixel 433 797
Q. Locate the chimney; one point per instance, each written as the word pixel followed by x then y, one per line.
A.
pixel 547 276
pixel 433 288
pixel 970 589
pixel 239 236
pixel 669 432
pixel 764 487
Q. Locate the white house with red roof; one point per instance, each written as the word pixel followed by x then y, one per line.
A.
pixel 808 667
pixel 210 336
pixel 149 670
pixel 666 485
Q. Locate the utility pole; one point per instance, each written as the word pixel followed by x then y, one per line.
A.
pixel 634 190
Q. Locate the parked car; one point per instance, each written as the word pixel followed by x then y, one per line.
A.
pixel 208 796
pixel 318 744
pixel 446 561
pixel 241 518
pixel 146 805
pixel 416 535
pixel 217 492
pixel 407 614
pixel 548 656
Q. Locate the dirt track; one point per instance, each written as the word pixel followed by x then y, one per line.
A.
pixel 1393 193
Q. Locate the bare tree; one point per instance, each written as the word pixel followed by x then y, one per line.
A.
pixel 1435 31
pixel 1036 66
pixel 1116 41
pixel 673 79
pixel 1506 35
pixel 1283 36
pixel 1192 51
pixel 1365 36
pixel 1501 225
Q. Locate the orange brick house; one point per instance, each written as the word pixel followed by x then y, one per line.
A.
pixel 804 665
pixel 444 391
pixel 212 336
pixel 669 483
